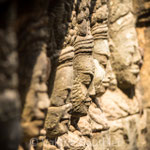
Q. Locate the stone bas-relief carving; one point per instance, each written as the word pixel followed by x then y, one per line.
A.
pixel 63 78
pixel 120 113
pixel 80 106
pixel 62 87
pixel 34 69
pixel 123 111
pixel 83 87
pixel 83 66
pixel 124 47
pixel 101 56
pixel 126 57
pixel 125 108
pixel 37 99
pixel 57 120
pixel 121 117
pixel 101 53
pixel 84 81
pixel 92 80
pixel 79 138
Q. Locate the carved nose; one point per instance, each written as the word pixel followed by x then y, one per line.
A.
pixel 91 90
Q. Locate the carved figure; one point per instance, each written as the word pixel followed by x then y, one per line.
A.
pixel 101 53
pixel 84 106
pixel 63 78
pixel 37 100
pixel 122 108
pixel 126 58
pixel 34 67
pixel 57 120
pixel 83 87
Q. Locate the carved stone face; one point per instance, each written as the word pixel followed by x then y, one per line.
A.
pixel 58 117
pixel 62 86
pixel 126 67
pixel 37 100
pixel 57 120
pixel 104 78
pixel 101 56
pixel 100 75
pixel 126 57
pixel 83 87
pixel 63 78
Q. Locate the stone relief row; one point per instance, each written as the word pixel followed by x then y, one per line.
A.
pixel 80 62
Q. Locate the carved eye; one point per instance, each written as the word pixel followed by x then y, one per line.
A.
pixel 86 83
pixel 102 59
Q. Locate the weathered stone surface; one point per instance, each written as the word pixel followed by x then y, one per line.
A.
pixel 56 120
pixel 63 78
pixel 84 125
pixel 34 68
pixel 79 82
pixel 83 65
pixel 37 99
pixel 98 119
pixel 72 141
pixel 125 57
pixel 111 106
